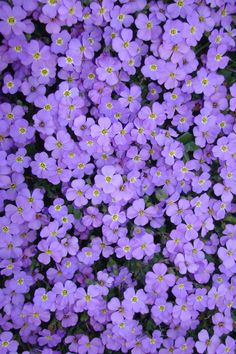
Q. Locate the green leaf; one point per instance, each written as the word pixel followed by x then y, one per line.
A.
pixel 186 138
pixel 83 317
pixel 186 157
pixel 191 146
pixel 160 195
pixel 150 326
pixel 231 219
pixel 76 212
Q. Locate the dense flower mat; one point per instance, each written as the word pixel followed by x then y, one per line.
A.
pixel 117 176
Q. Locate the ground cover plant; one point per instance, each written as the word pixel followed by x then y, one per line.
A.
pixel 117 176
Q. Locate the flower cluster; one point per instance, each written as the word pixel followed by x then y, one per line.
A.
pixel 117 176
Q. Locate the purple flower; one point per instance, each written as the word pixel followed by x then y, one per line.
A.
pixel 172 151
pixel 205 342
pixel 147 27
pixel 11 20
pixel 86 346
pixel 42 165
pixel 206 82
pixel 88 256
pixel 120 17
pixel 101 12
pixel 108 181
pixel 171 75
pixel 76 192
pixel 44 299
pixel 173 31
pixel 228 347
pixel 131 98
pixel 138 212
pixel 216 59
pixel 119 313
pixel 182 310
pixel 11 85
pixel 152 344
pixel 228 254
pixel 22 132
pixel 57 145
pixel 50 250
pixel 124 248
pixel 65 294
pixel 7 344
pixel 158 280
pixel 115 216
pixel 143 247
pixel 222 324
pixel 70 12
pixel 162 311
pixel 153 67
pixel 102 131
pixel 117 176
pixel 19 161
pixel 233 99
pixel 107 69
pixel 135 301
pixel 20 283
pixel 124 46
pixel 86 300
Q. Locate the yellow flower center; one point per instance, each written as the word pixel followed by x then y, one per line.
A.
pixel 82 49
pixel 80 193
pixel 96 193
pixel 153 67
pixel 11 20
pixel 5 343
pixel 109 70
pixel 71 11
pixel 173 31
pixel 108 179
pixel 121 17
pixel 104 131
pixel 115 217
pixel 102 10
pixel 47 107
pixel 37 56
pixel 205 82
pixel 218 57
pixel 5 229
pixel 10 84
pixel 126 248
pixel 44 72
pixel 224 148
pixel 42 165
pixel 69 60
pixel 149 24
pixel 87 297
pixel 59 41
